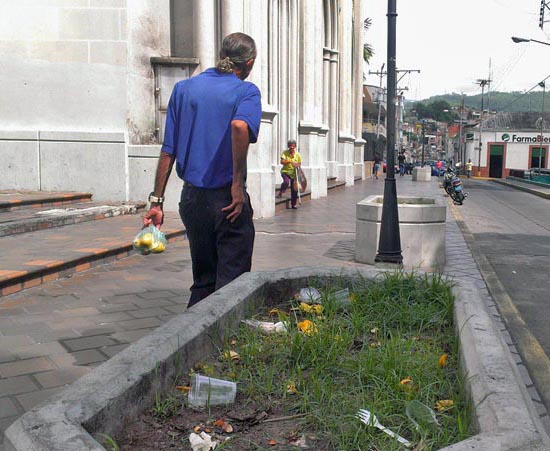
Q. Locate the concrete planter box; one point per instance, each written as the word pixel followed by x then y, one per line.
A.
pixel 115 392
pixel 422 174
pixel 421 225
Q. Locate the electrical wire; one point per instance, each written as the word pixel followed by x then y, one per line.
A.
pixel 506 69
pixel 524 94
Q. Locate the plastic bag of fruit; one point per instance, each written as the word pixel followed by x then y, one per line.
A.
pixel 150 239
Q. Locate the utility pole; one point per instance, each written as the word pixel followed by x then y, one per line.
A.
pixel 544 4
pixel 380 97
pixel 542 84
pixel 461 157
pixel 482 82
pixel 381 73
pixel 389 246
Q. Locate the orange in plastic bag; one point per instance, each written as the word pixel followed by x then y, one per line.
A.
pixel 150 239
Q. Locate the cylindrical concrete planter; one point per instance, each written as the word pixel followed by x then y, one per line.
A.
pixel 422 174
pixel 421 225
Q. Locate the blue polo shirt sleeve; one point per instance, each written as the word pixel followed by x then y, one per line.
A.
pixel 249 110
pixel 171 128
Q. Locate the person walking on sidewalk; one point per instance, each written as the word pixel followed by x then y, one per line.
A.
pixel 376 165
pixel 401 158
pixel 291 160
pixel 469 167
pixel 211 120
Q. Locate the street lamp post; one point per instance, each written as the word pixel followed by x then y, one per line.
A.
pixel 542 84
pixel 389 247
pixel 482 83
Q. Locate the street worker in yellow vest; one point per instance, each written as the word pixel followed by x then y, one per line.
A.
pixel 291 160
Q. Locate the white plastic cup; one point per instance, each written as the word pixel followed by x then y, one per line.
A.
pixel 342 297
pixel 207 391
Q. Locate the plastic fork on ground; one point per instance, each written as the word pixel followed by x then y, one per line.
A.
pixel 370 420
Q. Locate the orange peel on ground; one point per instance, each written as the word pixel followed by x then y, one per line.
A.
pixel 442 362
pixel 307 327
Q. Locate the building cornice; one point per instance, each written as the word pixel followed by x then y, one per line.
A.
pixel 172 61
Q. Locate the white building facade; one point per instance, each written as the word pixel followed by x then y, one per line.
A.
pixel 85 85
pixel 506 151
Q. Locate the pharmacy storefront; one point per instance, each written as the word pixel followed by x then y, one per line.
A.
pixel 504 151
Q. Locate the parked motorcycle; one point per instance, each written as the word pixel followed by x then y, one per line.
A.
pixel 453 185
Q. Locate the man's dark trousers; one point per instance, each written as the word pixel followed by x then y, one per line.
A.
pixel 220 250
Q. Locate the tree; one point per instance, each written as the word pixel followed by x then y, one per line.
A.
pixel 368 51
pixel 439 110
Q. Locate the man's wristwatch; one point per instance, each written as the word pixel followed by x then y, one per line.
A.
pixel 155 200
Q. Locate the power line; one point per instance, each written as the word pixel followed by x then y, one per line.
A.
pixel 524 94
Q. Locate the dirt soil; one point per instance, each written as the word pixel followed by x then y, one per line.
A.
pixel 254 427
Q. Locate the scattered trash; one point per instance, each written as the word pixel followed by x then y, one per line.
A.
pixel 444 405
pixel 231 355
pixel 420 414
pixel 227 428
pixel 299 442
pixel 202 442
pixel 307 327
pixel 209 391
pixel 150 239
pixel 224 426
pixel 442 362
pixel 309 295
pixel 342 297
pixel 311 308
pixel 272 442
pixel 265 326
pixel 291 388
pixel 370 420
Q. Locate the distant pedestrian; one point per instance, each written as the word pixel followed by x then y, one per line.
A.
pixel 469 166
pixel 291 161
pixel 376 167
pixel 401 159
pixel 211 120
pixel 439 165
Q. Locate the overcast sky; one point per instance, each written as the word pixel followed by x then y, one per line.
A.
pixel 451 42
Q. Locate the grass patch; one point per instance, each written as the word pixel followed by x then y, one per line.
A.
pixel 361 356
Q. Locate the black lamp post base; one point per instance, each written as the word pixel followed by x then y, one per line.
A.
pixel 393 258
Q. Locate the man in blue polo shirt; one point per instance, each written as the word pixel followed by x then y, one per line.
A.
pixel 211 120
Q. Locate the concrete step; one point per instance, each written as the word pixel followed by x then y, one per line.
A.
pixel 283 203
pixel 16 199
pixel 24 220
pixel 332 184
pixel 43 255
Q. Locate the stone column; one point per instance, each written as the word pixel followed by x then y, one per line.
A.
pixel 232 12
pixel 205 38
pixel 261 180
pixel 311 101
pixel 346 139
pixel 332 163
pixel 148 35
pixel 359 145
